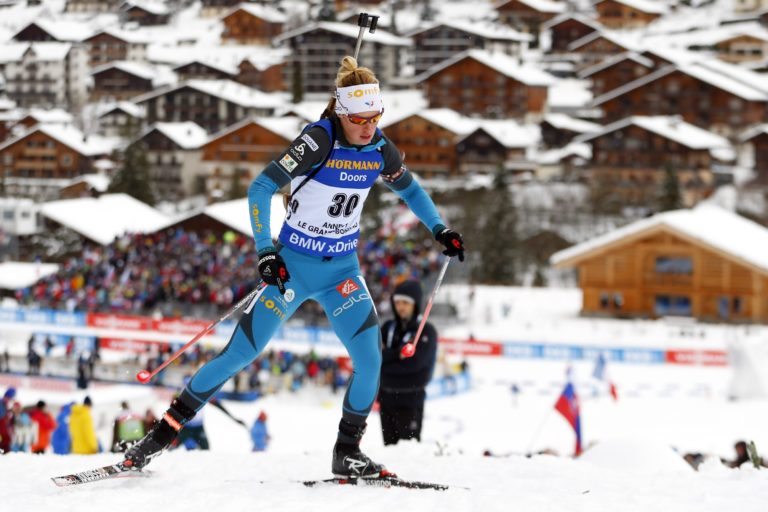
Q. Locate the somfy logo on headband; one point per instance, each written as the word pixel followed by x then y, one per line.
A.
pixel 358 98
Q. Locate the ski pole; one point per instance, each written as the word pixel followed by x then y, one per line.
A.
pixel 410 348
pixel 144 376
pixel 363 22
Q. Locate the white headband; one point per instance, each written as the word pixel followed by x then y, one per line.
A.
pixel 358 98
pixel 406 298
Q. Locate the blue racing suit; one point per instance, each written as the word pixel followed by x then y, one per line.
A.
pixel 318 243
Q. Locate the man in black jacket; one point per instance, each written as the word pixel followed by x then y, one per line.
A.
pixel 403 380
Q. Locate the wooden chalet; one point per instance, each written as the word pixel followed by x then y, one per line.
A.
pixel 528 15
pixel 110 45
pixel 173 168
pixel 567 28
pixel 438 42
pixel 316 49
pixel 596 47
pixel 256 24
pixel 743 48
pixel 626 14
pixel 631 159
pixel 558 130
pixel 203 70
pixel 487 85
pixel 212 104
pixel 428 139
pixel 616 71
pixel 497 145
pixel 264 76
pixel 121 80
pixel 705 263
pixel 243 150
pixel 41 160
pixel 711 94
pixel 145 13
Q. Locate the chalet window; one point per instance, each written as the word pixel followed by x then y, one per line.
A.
pixel 737 305
pixel 679 265
pixel 734 104
pixel 66 160
pixel 672 305
pixel 8 159
pixel 604 300
pixel 618 300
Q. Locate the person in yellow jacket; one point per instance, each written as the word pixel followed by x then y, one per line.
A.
pixel 84 441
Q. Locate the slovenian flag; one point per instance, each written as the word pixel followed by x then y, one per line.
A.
pixel 568 406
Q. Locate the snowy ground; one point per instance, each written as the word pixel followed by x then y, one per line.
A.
pixel 631 467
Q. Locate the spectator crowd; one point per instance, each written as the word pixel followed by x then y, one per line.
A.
pixel 177 272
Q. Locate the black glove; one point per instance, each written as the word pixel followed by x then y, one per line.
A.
pixel 272 269
pixel 454 244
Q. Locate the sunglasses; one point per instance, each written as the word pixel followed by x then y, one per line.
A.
pixel 362 121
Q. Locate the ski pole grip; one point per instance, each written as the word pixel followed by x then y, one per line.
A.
pixel 362 19
pixel 408 350
pixel 374 22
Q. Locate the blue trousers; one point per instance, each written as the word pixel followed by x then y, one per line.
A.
pixel 338 285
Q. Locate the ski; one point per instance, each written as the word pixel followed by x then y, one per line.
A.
pixel 384 481
pixel 94 475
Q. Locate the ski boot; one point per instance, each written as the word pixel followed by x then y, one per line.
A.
pixel 348 460
pixel 160 437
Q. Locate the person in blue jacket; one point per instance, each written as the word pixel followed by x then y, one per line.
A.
pixel 330 168
pixel 61 441
pixel 259 434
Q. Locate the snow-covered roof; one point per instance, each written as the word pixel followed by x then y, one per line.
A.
pixel 569 94
pixel 347 30
pixel 90 145
pixel 15 275
pixel 128 107
pixel 138 36
pixel 288 127
pixel 753 132
pixel 224 57
pixel 157 8
pixel 159 75
pixel 499 62
pixel 580 17
pixel 49 116
pixel 269 14
pixel 486 30
pixel 230 68
pixel 104 218
pixel 61 29
pixel 751 89
pixel 547 6
pixel 573 124
pixel 444 117
pixel 555 156
pixel 510 133
pixel 12 52
pixel 186 134
pixel 47 52
pixel 225 89
pixel 648 6
pixel 624 40
pixel 712 226
pixel 672 128
pixel 98 182
pixel 615 59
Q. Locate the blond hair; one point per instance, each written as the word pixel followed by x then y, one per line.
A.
pixel 349 74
